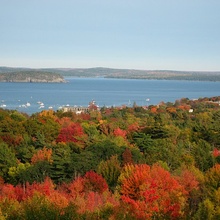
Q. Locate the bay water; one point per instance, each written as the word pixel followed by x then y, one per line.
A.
pixel 35 97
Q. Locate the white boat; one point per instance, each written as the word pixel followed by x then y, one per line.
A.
pixel 40 103
pixel 23 106
pixel 28 104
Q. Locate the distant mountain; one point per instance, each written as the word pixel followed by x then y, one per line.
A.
pixel 10 75
pixel 124 73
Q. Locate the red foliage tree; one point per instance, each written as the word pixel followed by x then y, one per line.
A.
pixel 216 152
pixel 91 181
pixel 85 116
pixel 71 133
pixel 21 193
pixel 88 193
pixel 12 140
pixel 120 132
pixel 152 192
pixel 95 182
pixel 8 191
pixel 133 127
pixel 45 188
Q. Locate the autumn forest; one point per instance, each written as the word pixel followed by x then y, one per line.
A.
pixel 154 162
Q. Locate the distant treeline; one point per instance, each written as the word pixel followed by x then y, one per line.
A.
pixel 125 73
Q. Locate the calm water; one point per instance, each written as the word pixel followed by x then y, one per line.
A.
pixel 26 97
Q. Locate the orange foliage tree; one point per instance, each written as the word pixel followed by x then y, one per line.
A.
pixel 120 132
pixel 42 155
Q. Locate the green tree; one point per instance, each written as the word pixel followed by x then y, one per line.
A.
pixel 164 150
pixel 42 130
pixel 143 141
pixel 61 158
pixel 19 174
pixel 208 211
pixel 104 150
pixel 25 172
pixel 110 170
pixel 201 151
pixel 82 162
pixel 209 208
pixel 7 160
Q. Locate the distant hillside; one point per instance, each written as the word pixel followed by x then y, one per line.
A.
pixel 124 73
pixel 31 76
pixel 139 74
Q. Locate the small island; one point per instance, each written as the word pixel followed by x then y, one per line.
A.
pixel 31 76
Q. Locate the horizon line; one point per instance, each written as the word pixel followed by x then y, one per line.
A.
pixel 101 67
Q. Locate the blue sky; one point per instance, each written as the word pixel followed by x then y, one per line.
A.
pixel 134 34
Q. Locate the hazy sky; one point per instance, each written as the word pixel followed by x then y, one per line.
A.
pixel 138 34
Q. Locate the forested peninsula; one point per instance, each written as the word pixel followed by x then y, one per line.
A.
pixel 31 76
pixel 121 73
pixel 125 163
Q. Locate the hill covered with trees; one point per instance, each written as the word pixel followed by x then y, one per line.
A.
pixel 140 74
pixel 125 73
pixel 155 162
